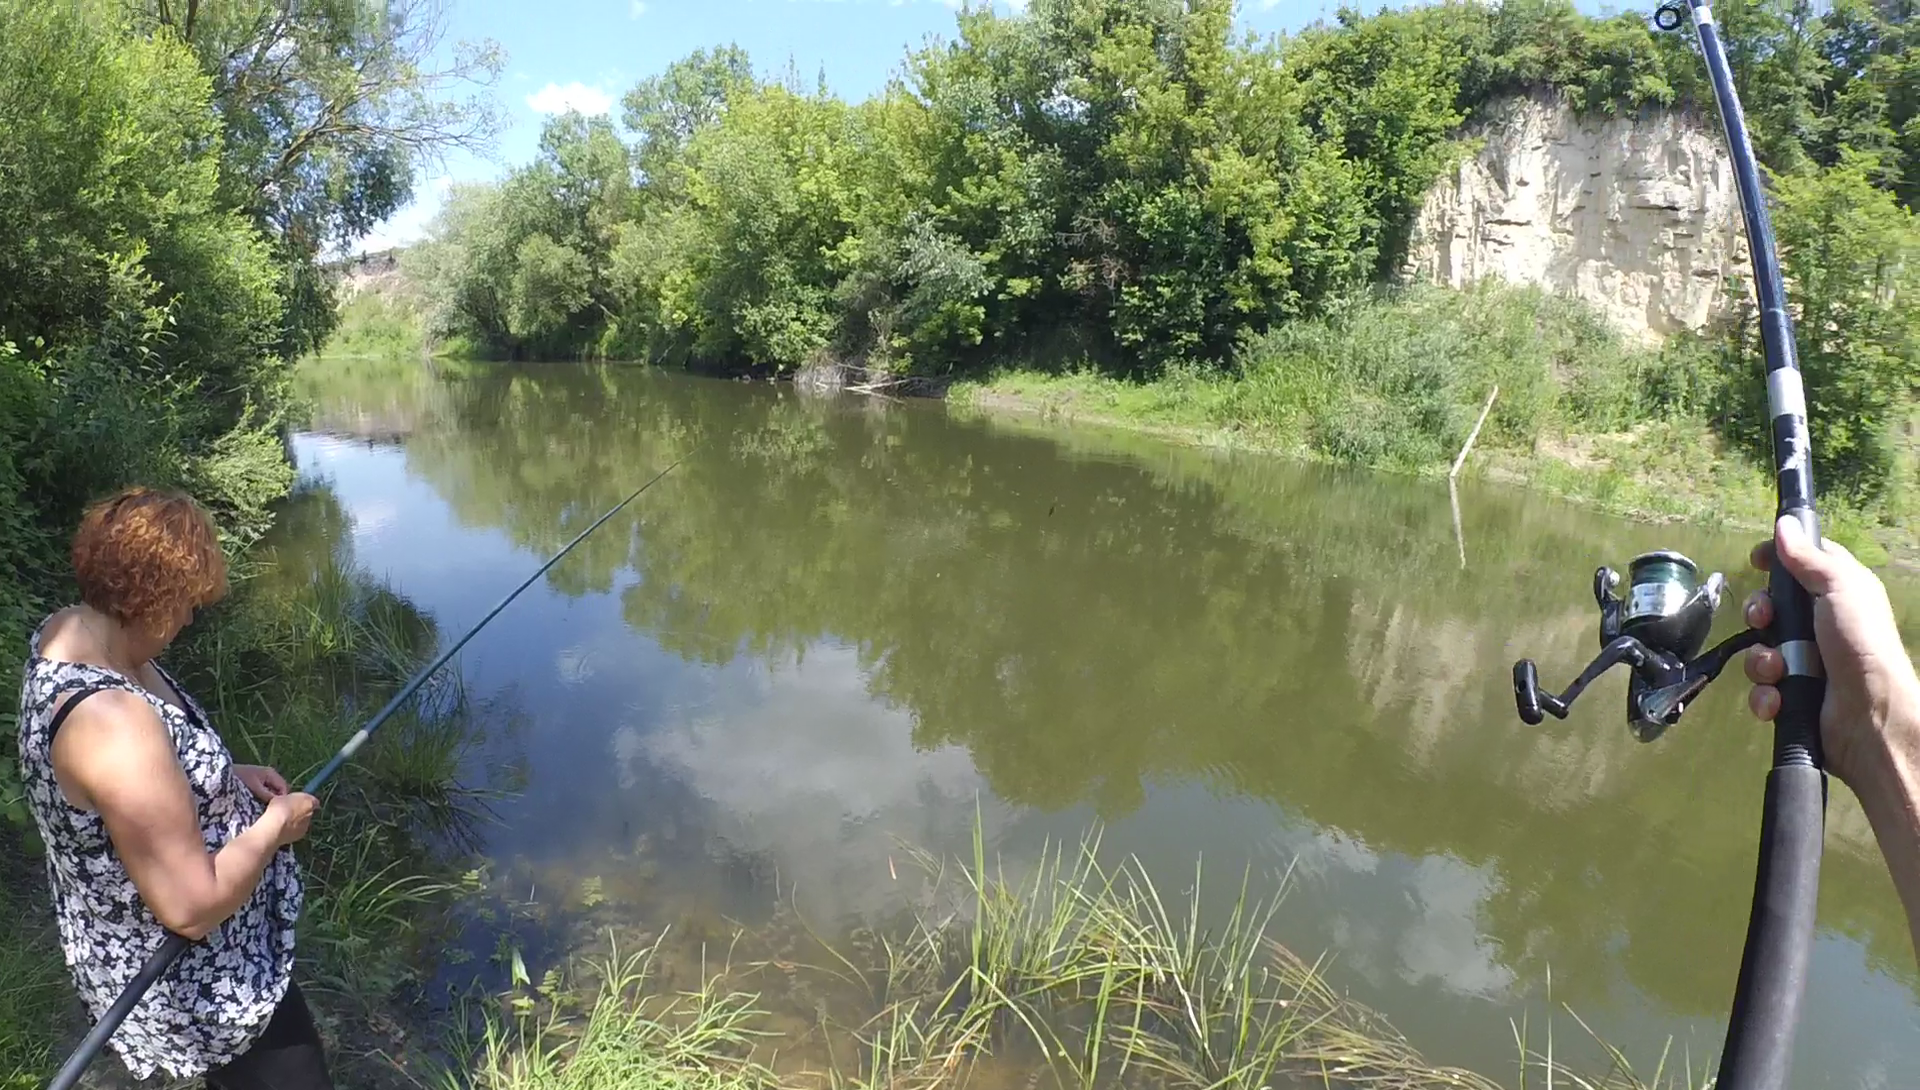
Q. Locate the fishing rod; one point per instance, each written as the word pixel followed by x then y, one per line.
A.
pixel 1662 621
pixel 175 945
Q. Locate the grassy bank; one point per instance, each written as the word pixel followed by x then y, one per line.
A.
pixel 1072 974
pixel 1398 380
pixel 304 649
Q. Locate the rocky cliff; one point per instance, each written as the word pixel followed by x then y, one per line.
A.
pixel 1637 215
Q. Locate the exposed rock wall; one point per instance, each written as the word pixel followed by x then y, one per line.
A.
pixel 1639 216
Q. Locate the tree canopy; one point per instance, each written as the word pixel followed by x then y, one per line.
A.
pixel 1136 185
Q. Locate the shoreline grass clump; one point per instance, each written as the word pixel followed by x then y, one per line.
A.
pixel 1074 975
pixel 1088 973
pixel 633 1036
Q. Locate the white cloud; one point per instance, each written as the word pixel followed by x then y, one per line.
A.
pixel 556 99
pixel 802 764
pixel 636 9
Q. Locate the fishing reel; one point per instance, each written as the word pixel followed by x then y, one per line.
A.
pixel 1656 630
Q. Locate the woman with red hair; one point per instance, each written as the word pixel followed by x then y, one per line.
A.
pixel 150 826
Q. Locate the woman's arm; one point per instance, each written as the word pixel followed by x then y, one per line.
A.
pixel 113 756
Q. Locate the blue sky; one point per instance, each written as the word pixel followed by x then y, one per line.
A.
pixel 586 53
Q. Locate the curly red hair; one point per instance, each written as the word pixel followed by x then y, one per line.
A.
pixel 142 553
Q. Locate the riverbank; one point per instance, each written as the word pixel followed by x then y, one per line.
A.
pixel 1399 382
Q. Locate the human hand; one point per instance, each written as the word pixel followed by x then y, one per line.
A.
pixel 1872 702
pixel 264 782
pixel 290 814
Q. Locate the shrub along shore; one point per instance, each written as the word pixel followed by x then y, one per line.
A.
pixel 1399 381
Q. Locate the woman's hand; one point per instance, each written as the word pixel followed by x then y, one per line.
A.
pixel 290 815
pixel 264 782
pixel 1872 708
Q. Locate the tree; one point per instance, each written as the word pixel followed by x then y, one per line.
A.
pixel 664 111
pixel 327 108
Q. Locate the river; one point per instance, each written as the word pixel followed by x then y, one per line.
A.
pixel 846 626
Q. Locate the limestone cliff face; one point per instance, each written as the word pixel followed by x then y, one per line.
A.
pixel 1638 216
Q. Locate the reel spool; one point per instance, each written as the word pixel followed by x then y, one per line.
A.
pixel 1656 629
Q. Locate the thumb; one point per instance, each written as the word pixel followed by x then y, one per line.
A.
pixel 1817 569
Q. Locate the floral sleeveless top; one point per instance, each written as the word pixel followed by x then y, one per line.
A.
pixel 216 999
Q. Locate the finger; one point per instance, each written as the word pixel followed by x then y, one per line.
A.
pixel 1761 556
pixel 1764 702
pixel 276 783
pixel 1840 552
pixel 1759 609
pixel 1765 666
pixel 1816 569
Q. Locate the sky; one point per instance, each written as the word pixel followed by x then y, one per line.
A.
pixel 585 54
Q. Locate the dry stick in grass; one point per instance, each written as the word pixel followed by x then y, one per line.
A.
pixel 1474 434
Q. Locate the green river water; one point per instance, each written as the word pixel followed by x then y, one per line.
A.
pixel 846 625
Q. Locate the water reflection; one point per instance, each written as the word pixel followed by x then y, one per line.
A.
pixel 839 629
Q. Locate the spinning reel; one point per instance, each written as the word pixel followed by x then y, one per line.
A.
pixel 1656 631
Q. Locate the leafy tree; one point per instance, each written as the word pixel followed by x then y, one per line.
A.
pixel 663 112
pixel 1130 184
pixel 326 110
pixel 1848 250
pixel 550 283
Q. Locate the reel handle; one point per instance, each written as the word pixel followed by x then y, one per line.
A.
pixel 1527 697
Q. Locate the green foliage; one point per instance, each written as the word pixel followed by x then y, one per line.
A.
pixel 1852 257
pixel 167 176
pixel 378 325
pixel 550 283
pixel 1396 379
pixel 324 110
pixel 1124 175
pixel 33 981
pixel 1127 179
pixel 635 1034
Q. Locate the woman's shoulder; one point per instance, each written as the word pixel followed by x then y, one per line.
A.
pixel 61 637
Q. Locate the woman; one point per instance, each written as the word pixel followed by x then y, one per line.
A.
pixel 150 826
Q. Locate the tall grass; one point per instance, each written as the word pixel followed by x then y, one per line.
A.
pixel 634 1037
pixel 33 980
pixel 1395 379
pixel 1076 975
pixel 1090 975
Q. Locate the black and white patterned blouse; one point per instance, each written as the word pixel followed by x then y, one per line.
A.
pixel 218 997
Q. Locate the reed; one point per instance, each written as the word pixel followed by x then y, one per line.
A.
pixel 1074 975
pixel 634 1037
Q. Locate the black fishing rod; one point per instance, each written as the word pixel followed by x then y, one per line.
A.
pixel 1664 619
pixel 175 945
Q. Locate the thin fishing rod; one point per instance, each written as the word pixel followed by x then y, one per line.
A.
pixel 175 945
pixel 1773 966
pixel 1657 628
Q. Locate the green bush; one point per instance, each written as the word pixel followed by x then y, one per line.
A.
pixel 376 324
pixel 1399 378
